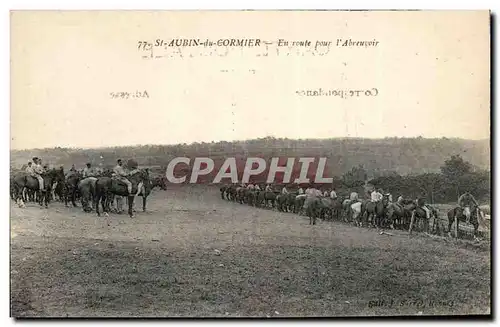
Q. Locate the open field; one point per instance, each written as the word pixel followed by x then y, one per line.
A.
pixel 164 263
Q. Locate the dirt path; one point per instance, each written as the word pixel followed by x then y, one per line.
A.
pixel 194 254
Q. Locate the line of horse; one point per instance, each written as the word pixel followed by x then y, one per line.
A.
pixel 408 215
pixel 93 192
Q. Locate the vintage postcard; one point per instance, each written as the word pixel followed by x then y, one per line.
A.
pixel 250 163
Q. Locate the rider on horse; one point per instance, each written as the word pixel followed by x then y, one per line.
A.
pixel 119 173
pixel 88 171
pixel 37 171
pixel 465 201
pixel 284 190
pixel 29 169
pixel 333 194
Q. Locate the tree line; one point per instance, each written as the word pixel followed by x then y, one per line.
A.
pixel 456 176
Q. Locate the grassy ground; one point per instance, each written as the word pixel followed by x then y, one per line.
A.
pixel 193 254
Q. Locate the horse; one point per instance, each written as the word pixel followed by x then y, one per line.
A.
pixel 267 198
pixel 460 215
pixel 86 187
pixel 299 203
pixel 286 202
pixel 24 181
pixel 336 208
pixel 71 187
pixel 148 186
pixel 106 187
pixel 356 212
pixel 419 213
pixel 223 192
pixel 400 214
pixel 313 205
pixel 374 211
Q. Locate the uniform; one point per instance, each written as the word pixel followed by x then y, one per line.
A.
pixel 30 170
pixel 465 201
pixel 333 195
pixel 284 190
pixel 376 196
pixel 37 171
pixel 88 172
pixel 120 174
pixel 301 190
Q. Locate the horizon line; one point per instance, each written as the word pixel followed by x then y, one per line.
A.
pixel 246 140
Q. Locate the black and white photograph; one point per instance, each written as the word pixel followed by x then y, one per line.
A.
pixel 250 163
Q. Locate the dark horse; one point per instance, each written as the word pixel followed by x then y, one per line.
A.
pixel 23 181
pixel 71 187
pixel 148 186
pixel 106 187
pixel 419 215
pixel 459 214
pixel 399 215
pixel 375 211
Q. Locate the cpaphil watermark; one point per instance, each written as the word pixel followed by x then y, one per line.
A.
pixel 230 171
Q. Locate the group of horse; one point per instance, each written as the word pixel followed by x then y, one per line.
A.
pixel 408 215
pixel 101 190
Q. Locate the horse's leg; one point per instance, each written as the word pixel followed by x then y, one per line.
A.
pixel 457 226
pixel 97 199
pixel 40 198
pixel 144 203
pixel 46 198
pixel 412 221
pixel 130 206
pixel 73 197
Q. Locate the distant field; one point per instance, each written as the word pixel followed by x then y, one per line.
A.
pixel 267 264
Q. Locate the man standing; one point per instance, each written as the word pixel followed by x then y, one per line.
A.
pixel 465 202
pixel 121 174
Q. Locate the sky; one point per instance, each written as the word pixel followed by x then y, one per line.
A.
pixel 431 71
